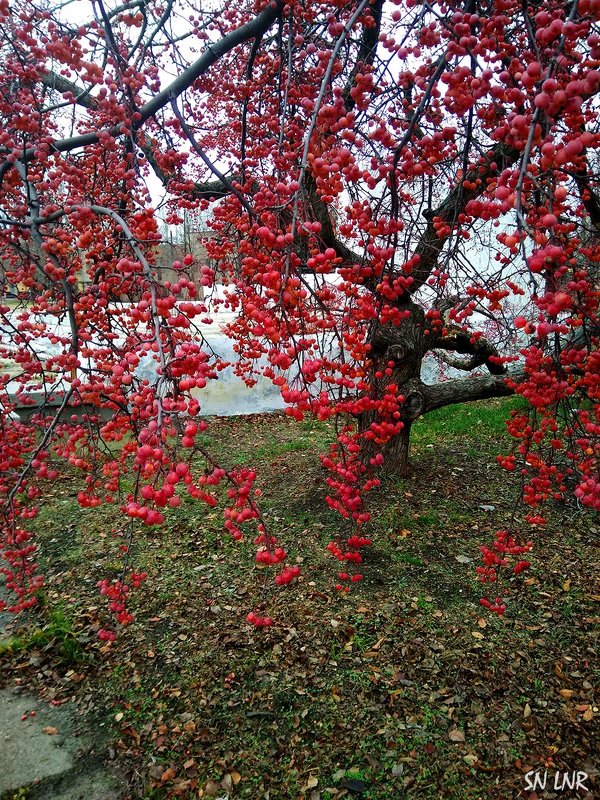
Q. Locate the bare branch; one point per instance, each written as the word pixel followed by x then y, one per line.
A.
pixel 466 390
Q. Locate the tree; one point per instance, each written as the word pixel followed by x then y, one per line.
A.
pixel 385 180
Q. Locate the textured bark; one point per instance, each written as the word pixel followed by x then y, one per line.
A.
pixel 404 345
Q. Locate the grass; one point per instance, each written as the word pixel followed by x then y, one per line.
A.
pixel 361 690
pixel 58 635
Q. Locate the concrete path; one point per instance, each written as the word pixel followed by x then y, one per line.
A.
pixel 41 751
pixel 47 751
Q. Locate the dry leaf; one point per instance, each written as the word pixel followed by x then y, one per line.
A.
pixel 477 635
pixel 212 789
pixel 481 622
pixel 566 693
pixel 168 774
pixel 312 782
pixel 50 730
pixel 156 771
pixel 227 783
pixel 189 764
pixel 119 716
pixel 566 585
pixel 471 759
pixel 588 715
pixel 456 736
pixel 236 778
pixel 527 710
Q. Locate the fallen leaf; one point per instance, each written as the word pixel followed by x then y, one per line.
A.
pixel 481 622
pixel 356 786
pixel 456 736
pixel 463 559
pixel 119 716
pixel 566 693
pixel 312 782
pixel 236 778
pixel 50 730
pixel 477 635
pixel 588 714
pixel 527 710
pixel 156 771
pixel 168 774
pixel 212 789
pixel 189 764
pixel 471 759
pixel 566 585
pixel 227 783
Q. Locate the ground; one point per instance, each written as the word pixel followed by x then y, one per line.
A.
pixel 404 688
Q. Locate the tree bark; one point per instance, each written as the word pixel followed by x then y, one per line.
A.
pixel 403 347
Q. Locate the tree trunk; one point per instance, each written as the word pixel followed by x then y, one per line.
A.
pixel 402 348
pixel 396 452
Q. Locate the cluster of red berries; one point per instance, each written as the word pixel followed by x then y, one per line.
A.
pixel 258 621
pixel 287 575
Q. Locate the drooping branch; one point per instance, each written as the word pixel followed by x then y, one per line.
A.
pixel 200 191
pixel 212 167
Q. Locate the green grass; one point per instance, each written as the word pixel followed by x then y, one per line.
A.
pixel 58 634
pixel 474 420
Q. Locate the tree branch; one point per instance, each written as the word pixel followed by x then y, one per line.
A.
pixel 256 27
pixel 82 96
pixel 466 390
pixel 482 351
pixel 322 215
pixel 431 243
pixel 366 52
pixel 589 198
